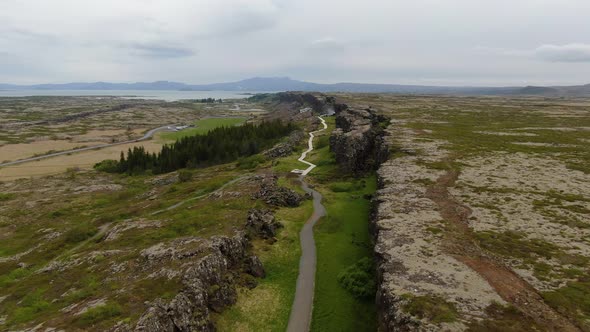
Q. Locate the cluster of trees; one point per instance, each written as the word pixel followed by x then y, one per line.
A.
pixel 219 145
pixel 208 100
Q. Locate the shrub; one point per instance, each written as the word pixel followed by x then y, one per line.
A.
pixel 184 175
pixel 100 313
pixel 108 166
pixel 30 306
pixel 433 308
pixel 250 162
pixel 5 196
pixel 80 233
pixel 359 279
pixel 13 276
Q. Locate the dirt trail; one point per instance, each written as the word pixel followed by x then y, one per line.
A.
pixel 462 245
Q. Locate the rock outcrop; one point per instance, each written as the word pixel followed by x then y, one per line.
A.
pixel 262 223
pixel 298 106
pixel 273 194
pixel 208 285
pixel 286 148
pixel 357 141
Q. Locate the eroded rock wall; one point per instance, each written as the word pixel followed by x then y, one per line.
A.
pixel 209 285
pixel 357 141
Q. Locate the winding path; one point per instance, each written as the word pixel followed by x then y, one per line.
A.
pixel 147 136
pixel 301 311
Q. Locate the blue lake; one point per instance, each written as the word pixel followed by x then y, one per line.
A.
pixel 168 95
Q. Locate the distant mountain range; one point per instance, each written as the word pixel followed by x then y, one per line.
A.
pixel 272 84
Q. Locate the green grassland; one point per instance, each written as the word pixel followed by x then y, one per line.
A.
pixel 267 307
pixel 342 240
pixel 78 220
pixel 202 127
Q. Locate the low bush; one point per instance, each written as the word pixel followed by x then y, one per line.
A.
pixel 80 233
pixel 6 196
pixel 30 307
pixel 184 175
pixel 108 166
pixel 433 308
pixel 250 162
pixel 100 313
pixel 359 279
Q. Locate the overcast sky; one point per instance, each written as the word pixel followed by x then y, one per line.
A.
pixel 435 42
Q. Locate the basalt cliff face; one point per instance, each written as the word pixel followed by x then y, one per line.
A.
pixel 220 265
pixel 297 106
pixel 357 141
pixel 213 271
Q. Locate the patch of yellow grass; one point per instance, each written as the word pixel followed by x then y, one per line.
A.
pixel 59 164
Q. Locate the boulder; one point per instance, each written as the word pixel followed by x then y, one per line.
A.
pixel 254 267
pixel 273 194
pixel 262 222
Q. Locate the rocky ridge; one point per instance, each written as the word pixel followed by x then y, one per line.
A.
pixel 209 284
pixel 286 148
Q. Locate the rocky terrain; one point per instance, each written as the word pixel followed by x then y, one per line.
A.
pixel 471 230
pixel 104 252
pixel 480 222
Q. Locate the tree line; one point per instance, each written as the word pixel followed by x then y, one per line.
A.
pixel 220 145
pixel 208 100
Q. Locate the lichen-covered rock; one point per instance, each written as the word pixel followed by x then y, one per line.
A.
pixel 262 223
pixel 156 318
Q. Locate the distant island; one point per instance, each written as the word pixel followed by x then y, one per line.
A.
pixel 273 84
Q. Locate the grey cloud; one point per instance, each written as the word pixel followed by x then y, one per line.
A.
pixel 160 51
pixel 564 53
pixel 373 41
pixel 26 35
pixel 239 20
pixel 327 45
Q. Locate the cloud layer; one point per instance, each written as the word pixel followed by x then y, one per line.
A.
pixel 378 41
pixel 564 53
